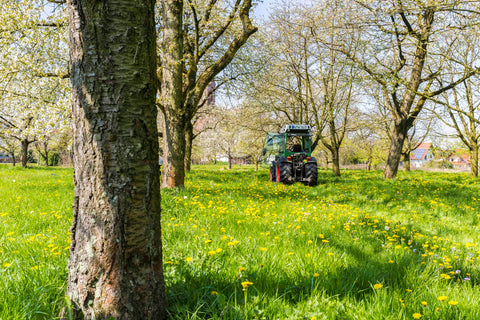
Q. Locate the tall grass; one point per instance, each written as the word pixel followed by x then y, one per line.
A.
pixel 237 246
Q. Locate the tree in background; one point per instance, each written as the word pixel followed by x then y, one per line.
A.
pixel 197 46
pixel 403 53
pixel 461 107
pixel 306 81
pixel 34 93
pixel 115 265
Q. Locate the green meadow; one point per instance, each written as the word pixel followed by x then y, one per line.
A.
pixel 237 246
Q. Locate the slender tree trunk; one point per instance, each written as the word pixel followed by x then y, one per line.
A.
pixel 395 152
pixel 45 150
pixel 406 162
pixel 256 165
pixel 188 146
pixel 24 152
pixel 14 161
pixel 173 172
pixel 369 164
pixel 335 161
pixel 474 161
pixel 115 265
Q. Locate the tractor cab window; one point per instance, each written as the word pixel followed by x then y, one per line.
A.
pixel 298 143
pixel 273 144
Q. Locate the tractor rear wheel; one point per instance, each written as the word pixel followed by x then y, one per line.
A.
pixel 311 174
pixel 285 173
pixel 273 175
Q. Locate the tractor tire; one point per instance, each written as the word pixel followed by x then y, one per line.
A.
pixel 273 173
pixel 311 174
pixel 285 173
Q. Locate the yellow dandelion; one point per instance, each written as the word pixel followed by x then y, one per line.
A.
pixel 263 249
pixel 212 252
pixel 241 269
pixel 452 302
pixel 442 298
pixel 7 264
pixel 424 303
pixel 188 259
pixel 378 286
pixel 219 250
pixel 246 284
pixel 416 315
pixel 215 293
pixel 316 275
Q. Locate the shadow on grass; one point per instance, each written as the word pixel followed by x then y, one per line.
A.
pixel 210 294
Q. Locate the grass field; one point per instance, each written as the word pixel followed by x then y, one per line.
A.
pixel 237 246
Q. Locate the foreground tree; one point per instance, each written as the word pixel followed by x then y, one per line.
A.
pixel 115 266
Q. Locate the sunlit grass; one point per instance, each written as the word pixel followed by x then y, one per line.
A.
pixel 237 246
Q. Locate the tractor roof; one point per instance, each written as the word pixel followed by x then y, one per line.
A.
pixel 297 128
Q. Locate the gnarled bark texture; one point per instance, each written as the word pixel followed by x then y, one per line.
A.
pixel 115 266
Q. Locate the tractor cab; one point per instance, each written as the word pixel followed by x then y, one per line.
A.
pixel 290 151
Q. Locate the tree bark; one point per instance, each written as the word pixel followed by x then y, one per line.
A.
pixel 369 164
pixel 335 161
pixel 24 152
pixel 406 162
pixel 399 133
pixel 474 161
pixel 14 162
pixel 173 172
pixel 115 265
pixel 188 146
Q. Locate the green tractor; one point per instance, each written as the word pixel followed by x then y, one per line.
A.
pixel 290 154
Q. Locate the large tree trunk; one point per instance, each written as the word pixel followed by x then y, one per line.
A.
pixel 395 152
pixel 188 145
pixel 173 171
pixel 474 161
pixel 115 265
pixel 24 152
pixel 335 161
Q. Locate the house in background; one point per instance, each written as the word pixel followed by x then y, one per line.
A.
pixel 460 159
pixel 5 157
pixel 421 155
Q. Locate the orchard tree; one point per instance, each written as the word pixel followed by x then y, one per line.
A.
pixel 461 110
pixel 305 80
pixel 197 44
pixel 404 51
pixel 33 64
pixel 115 265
